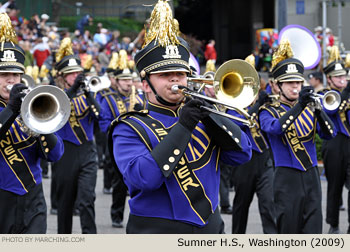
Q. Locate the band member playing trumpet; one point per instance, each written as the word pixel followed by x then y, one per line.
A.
pixel 22 202
pixel 291 127
pixel 76 171
pixel 168 154
pixel 336 152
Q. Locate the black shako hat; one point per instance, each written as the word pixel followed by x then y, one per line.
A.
pixel 287 70
pixel 335 68
pixel 154 58
pixel 11 58
pixel 69 64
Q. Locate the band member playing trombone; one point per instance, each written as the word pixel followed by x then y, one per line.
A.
pixel 168 154
pixel 336 152
pixel 291 126
pixel 76 171
pixel 22 202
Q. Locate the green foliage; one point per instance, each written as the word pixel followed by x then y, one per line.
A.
pixel 318 142
pixel 124 25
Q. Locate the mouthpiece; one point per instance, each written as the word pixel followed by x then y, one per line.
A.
pixel 175 89
pixel 295 91
pixel 9 87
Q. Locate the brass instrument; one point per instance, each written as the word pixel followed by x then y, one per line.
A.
pixel 45 109
pixel 330 100
pixel 96 83
pixel 274 97
pixel 132 99
pixel 236 85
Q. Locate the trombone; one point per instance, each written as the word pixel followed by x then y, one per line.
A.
pixel 236 85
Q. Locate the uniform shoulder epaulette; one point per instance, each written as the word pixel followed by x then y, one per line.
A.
pixel 131 113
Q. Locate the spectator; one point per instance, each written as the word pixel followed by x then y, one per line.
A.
pixel 40 52
pixel 84 21
pixel 210 52
pixel 103 58
pixel 316 81
pixel 329 37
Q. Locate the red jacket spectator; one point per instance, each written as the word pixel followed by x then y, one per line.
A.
pixel 40 52
pixel 210 52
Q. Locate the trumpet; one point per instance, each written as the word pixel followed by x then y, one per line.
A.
pixel 45 109
pixel 96 83
pixel 236 85
pixel 330 100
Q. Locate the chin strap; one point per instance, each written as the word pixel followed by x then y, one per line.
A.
pixel 159 98
pixel 290 100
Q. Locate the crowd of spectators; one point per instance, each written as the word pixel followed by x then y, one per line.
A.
pixel 40 39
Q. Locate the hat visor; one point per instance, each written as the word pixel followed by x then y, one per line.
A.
pixel 337 73
pixel 124 77
pixel 168 70
pixel 11 70
pixel 291 78
pixel 71 69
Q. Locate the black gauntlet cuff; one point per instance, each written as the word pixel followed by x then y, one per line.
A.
pixel 325 122
pixel 289 117
pixel 7 117
pixel 94 105
pixel 170 150
pixel 225 133
pixel 47 143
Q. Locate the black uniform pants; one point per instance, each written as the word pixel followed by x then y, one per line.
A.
pixel 76 177
pixel 119 192
pixel 255 176
pixel 23 214
pixel 336 160
pixel 151 225
pixel 224 189
pixel 297 197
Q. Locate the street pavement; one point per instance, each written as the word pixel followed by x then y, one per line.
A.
pixel 104 224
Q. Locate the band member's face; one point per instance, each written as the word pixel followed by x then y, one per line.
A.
pixel 291 89
pixel 113 82
pixel 124 86
pixel 7 79
pixel 338 82
pixel 70 78
pixel 162 83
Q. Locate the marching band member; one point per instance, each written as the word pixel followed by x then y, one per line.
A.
pixel 336 152
pixel 76 171
pixel 255 176
pixel 168 155
pixel 291 126
pixel 113 104
pixel 22 202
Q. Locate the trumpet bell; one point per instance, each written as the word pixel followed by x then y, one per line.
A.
pixel 331 100
pixel 45 109
pixel 236 82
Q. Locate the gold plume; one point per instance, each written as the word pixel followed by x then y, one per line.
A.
pixel 250 59
pixel 7 33
pixel 161 27
pixel 334 54
pixel 64 50
pixel 123 60
pixel 88 62
pixel 29 71
pixel 43 71
pixel 284 51
pixel 113 64
pixel 35 73
pixel 210 66
pixel 131 64
pixel 347 60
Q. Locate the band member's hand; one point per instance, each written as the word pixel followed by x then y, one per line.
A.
pixel 16 96
pixel 306 95
pixel 191 114
pixel 263 97
pixel 78 82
